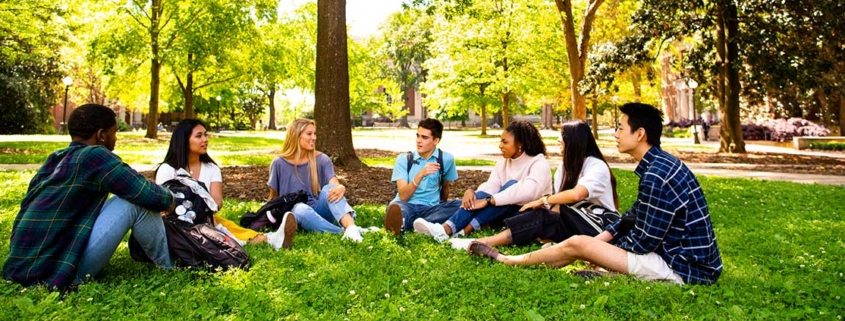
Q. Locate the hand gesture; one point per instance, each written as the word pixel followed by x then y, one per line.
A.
pixel 468 200
pixel 336 193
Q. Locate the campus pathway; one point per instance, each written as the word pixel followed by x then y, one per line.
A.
pixel 488 149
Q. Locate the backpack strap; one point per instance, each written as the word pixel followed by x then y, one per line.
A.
pixel 443 195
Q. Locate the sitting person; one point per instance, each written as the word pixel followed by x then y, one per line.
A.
pixel 301 167
pixel 583 178
pixel 422 187
pixel 522 175
pixel 189 150
pixel 68 228
pixel 667 233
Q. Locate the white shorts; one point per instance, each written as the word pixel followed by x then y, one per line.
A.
pixel 651 267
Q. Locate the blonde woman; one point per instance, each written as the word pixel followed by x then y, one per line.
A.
pixel 301 167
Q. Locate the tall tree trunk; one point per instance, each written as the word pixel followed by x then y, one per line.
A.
pixel 272 96
pixel 732 69
pixel 403 121
pixel 483 119
pixel 823 107
pixel 577 51
pixel 506 97
pixel 841 115
pixel 188 91
pixel 638 92
pixel 331 92
pixel 724 129
pixel 155 69
pixel 595 118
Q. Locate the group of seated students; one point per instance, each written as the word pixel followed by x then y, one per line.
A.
pixel 68 227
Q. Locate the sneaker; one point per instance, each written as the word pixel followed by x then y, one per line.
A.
pixel 283 237
pixel 352 233
pixel 481 249
pixel 436 231
pixel 459 234
pixel 393 220
pixel 460 244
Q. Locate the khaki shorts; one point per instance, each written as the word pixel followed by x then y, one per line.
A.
pixel 651 267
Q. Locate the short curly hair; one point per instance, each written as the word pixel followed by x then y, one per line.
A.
pixel 528 136
pixel 87 119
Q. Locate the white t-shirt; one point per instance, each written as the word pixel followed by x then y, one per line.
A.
pixel 595 177
pixel 209 172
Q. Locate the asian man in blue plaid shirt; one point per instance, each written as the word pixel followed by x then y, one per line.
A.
pixel 667 233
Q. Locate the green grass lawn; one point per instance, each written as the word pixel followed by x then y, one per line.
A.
pixel 781 243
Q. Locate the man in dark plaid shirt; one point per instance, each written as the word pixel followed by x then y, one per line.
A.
pixel 666 235
pixel 67 227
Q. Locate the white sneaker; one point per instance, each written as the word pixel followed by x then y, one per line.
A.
pixel 283 237
pixel 460 244
pixel 436 231
pixel 365 230
pixel 352 233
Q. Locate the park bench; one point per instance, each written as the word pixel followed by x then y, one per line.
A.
pixel 802 142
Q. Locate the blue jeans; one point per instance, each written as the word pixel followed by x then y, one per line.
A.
pixel 116 218
pixel 477 218
pixel 323 217
pixel 437 213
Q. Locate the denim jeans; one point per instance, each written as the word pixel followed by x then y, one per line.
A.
pixel 437 213
pixel 477 218
pixel 325 215
pixel 116 218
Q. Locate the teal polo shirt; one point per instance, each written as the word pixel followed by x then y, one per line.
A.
pixel 428 193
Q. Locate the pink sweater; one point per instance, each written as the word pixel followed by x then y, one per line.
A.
pixel 533 175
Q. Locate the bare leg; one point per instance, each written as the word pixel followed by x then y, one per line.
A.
pixel 580 247
pixel 468 229
pixel 447 228
pixel 346 220
pixel 502 238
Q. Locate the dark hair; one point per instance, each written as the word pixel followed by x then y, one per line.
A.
pixel 87 119
pixel 526 134
pixel 647 117
pixel 578 144
pixel 434 125
pixel 177 153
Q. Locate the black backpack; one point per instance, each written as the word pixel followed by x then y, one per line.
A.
pixel 439 157
pixel 197 244
pixel 277 207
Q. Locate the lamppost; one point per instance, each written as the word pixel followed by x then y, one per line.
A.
pixel 218 113
pixel 692 85
pixel 67 81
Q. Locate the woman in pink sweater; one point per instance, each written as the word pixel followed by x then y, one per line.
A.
pixel 521 176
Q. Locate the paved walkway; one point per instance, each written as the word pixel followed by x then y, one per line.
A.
pixel 454 142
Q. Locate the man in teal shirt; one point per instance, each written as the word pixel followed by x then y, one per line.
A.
pixel 422 189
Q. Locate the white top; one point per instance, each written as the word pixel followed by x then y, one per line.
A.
pixel 595 177
pixel 533 176
pixel 209 172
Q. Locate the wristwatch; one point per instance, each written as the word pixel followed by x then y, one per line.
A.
pixel 546 202
pixel 489 200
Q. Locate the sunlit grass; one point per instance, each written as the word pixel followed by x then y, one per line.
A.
pixel 781 244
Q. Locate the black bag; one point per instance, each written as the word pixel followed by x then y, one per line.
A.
pixel 277 207
pixel 585 218
pixel 195 244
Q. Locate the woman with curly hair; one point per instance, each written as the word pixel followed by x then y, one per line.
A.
pixel 521 176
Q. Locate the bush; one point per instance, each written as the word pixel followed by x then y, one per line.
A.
pixel 782 129
pixel 827 146
pixel 122 126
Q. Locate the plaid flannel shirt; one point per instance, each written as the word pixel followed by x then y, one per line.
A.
pixel 63 200
pixel 672 219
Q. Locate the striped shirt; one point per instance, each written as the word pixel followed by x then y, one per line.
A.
pixel 672 219
pixel 63 200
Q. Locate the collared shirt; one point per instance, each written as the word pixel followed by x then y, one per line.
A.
pixel 672 219
pixel 428 192
pixel 63 200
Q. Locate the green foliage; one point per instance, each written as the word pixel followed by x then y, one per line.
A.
pixel 827 146
pixel 30 75
pixel 781 244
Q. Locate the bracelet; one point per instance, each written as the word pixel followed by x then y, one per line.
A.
pixel 414 183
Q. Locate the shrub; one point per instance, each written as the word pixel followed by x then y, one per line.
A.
pixel 827 146
pixel 782 129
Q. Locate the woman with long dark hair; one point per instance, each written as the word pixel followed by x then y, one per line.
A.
pixel 522 175
pixel 585 202
pixel 189 151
